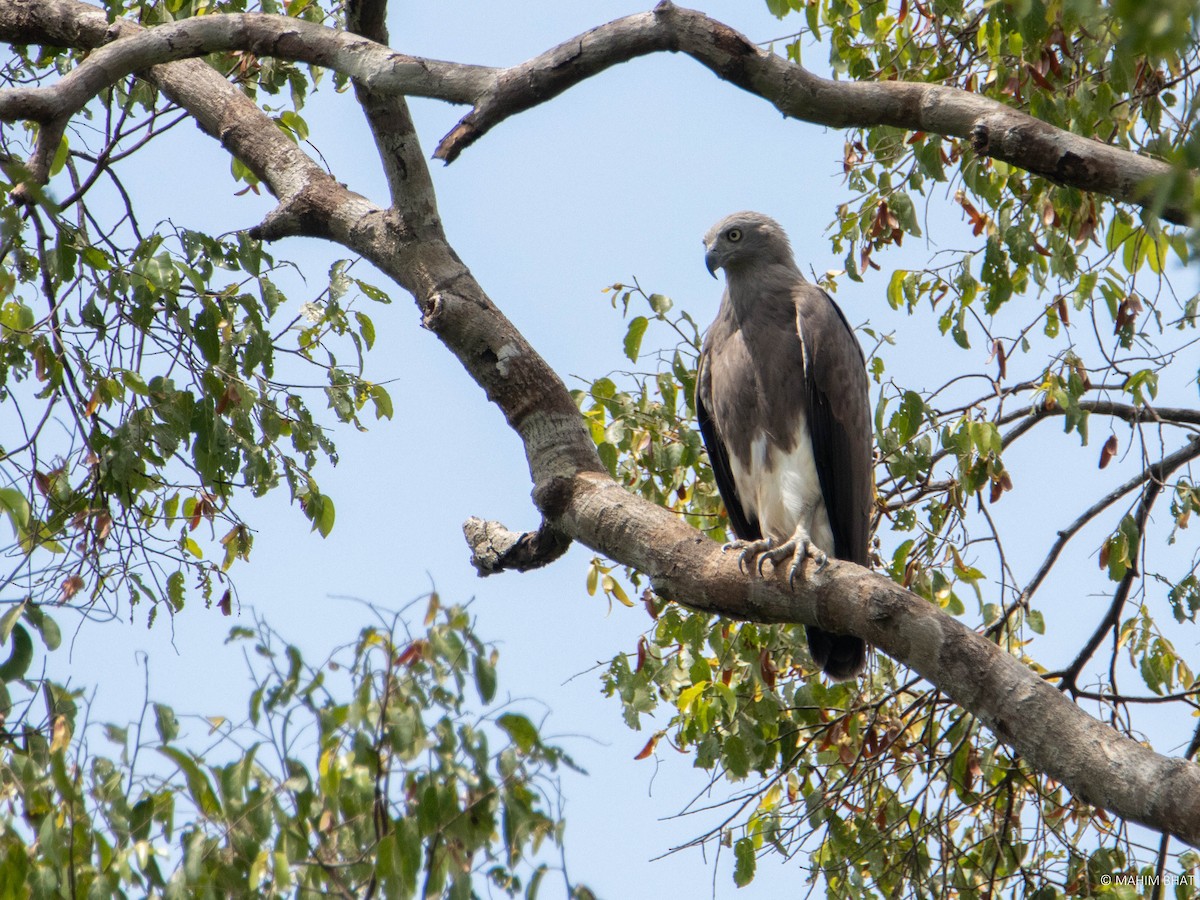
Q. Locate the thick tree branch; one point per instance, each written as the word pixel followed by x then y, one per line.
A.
pixel 282 37
pixel 409 184
pixel 994 129
pixel 579 500
pixel 1099 765
pixel 134 50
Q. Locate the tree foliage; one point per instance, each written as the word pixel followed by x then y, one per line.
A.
pixel 157 375
pixel 385 769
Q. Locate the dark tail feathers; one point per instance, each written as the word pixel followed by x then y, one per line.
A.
pixel 840 656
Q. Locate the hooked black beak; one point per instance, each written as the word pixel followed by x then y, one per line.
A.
pixel 711 262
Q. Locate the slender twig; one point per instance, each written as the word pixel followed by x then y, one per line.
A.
pixel 1155 474
pixel 1155 477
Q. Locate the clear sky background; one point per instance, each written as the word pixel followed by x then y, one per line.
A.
pixel 618 178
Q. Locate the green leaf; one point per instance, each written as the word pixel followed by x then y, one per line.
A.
pixel 535 882
pixel 204 330
pixel 608 456
pixel 633 337
pixel 366 328
pixel 21 656
pixel 60 156
pixel 520 730
pixel 1036 621
pixel 13 502
pixel 10 618
pixel 895 289
pixel 175 588
pixel 373 292
pixel 382 401
pixel 688 696
pixel 485 678
pixel 293 123
pixel 745 862
pixel 199 786
pixel 46 626
pixel 324 522
pixel 166 723
pixel 902 206
pixel 908 418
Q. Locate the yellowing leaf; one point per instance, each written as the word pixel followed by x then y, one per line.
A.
pixel 688 696
pixel 61 735
pixel 613 588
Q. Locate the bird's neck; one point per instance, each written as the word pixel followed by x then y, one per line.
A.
pixel 763 282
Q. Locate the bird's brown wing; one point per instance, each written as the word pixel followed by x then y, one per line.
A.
pixel 839 419
pixel 744 526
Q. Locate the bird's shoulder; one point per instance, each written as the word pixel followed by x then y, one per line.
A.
pixel 818 313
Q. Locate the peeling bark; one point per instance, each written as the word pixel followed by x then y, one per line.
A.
pixel 571 488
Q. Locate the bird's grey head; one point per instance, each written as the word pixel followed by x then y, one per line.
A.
pixel 744 238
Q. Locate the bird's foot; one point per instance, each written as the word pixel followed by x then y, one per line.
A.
pixel 797 548
pixel 749 551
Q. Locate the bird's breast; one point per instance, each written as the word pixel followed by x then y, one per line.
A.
pixel 781 489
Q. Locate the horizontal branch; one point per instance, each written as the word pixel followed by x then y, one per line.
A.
pixel 1127 412
pixel 282 37
pixel 993 129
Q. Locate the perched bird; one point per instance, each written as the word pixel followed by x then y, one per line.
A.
pixel 782 399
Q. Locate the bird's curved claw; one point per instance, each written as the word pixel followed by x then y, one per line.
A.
pixel 811 551
pixel 749 552
pixel 798 548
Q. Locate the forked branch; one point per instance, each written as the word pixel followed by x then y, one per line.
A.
pixel 993 129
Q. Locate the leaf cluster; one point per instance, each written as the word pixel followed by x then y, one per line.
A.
pixel 152 377
pixel 370 773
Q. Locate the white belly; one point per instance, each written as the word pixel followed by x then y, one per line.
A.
pixel 782 490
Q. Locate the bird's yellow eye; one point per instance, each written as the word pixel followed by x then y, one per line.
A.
pixel 734 234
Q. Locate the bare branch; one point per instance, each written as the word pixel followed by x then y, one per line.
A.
pixel 282 37
pixel 496 549
pixel 1171 415
pixel 994 129
pixel 1154 474
pixel 136 50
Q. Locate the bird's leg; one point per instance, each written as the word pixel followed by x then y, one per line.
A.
pixel 797 548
